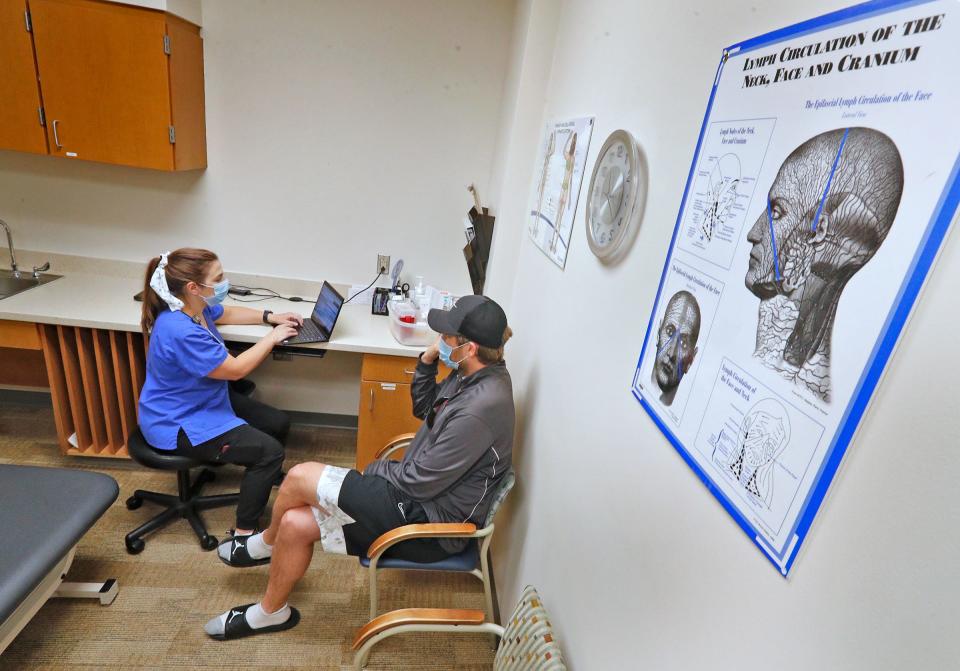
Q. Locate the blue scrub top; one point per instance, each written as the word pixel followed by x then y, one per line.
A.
pixel 177 392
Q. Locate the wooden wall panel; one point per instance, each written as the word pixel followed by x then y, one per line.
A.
pixel 91 387
pixel 107 383
pixel 57 380
pixel 123 385
pixel 76 397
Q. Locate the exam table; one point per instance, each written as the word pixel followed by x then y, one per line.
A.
pixel 44 512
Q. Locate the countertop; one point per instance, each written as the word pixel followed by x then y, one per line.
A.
pixel 106 302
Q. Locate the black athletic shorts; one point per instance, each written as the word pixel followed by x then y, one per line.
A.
pixel 378 506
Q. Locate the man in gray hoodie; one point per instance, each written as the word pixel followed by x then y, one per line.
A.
pixel 448 473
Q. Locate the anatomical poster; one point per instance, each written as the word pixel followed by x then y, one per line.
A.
pixel 556 189
pixel 824 180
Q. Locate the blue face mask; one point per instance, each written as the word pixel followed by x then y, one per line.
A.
pixel 220 291
pixel 446 351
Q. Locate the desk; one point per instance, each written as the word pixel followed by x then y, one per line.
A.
pixel 88 329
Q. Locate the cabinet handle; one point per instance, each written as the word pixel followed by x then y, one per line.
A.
pixel 371 400
pixel 408 372
pixel 56 138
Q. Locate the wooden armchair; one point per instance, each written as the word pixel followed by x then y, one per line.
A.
pixel 474 559
pixel 526 644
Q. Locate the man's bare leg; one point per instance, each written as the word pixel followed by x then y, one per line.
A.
pixel 299 489
pixel 291 555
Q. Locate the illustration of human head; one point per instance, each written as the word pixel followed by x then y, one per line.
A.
pixel 676 343
pixel 764 434
pixel 826 214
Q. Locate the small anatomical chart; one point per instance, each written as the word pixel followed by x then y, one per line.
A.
pixel 556 189
pixel 759 448
pixel 732 155
pixel 683 328
pixel 824 180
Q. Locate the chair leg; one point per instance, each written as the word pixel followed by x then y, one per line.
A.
pixel 215 501
pixel 160 520
pixel 373 588
pixel 166 500
pixel 187 503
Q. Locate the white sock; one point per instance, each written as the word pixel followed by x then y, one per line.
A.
pixel 258 548
pixel 257 617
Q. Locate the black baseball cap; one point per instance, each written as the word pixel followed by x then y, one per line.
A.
pixel 476 318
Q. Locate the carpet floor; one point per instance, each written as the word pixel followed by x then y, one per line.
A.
pixel 172 588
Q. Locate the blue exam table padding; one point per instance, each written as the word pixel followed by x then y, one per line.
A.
pixel 44 512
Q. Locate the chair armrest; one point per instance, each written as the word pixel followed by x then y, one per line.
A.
pixel 411 531
pixel 396 443
pixel 407 616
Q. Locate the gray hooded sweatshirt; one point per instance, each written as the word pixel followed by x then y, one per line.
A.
pixel 452 467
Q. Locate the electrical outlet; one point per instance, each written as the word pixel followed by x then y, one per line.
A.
pixel 383 264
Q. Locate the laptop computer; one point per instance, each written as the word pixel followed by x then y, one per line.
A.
pixel 319 327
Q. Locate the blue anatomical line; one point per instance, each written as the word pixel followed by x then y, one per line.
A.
pixel 826 190
pixel 773 240
pixel 679 358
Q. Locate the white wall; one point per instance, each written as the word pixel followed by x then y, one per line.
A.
pixel 335 130
pixel 640 568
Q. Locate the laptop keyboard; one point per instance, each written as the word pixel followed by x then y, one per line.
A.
pixel 309 332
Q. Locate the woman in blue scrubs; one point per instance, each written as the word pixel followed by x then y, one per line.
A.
pixel 186 405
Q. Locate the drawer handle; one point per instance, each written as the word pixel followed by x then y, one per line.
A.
pixel 371 400
pixel 56 137
pixel 408 372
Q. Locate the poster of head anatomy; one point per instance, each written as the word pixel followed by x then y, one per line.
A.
pixel 556 188
pixel 824 180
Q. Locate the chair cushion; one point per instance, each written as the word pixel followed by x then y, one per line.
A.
pixel 141 452
pixel 45 511
pixel 465 561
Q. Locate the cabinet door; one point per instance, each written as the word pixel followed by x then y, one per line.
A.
pixel 386 410
pixel 20 127
pixel 104 78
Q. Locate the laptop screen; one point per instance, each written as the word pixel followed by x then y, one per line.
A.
pixel 327 309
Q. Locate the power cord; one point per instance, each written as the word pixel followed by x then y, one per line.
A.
pixel 242 293
pixel 379 275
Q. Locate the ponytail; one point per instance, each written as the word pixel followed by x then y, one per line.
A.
pixel 152 303
pixel 183 266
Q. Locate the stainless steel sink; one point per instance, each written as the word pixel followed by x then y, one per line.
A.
pixel 10 285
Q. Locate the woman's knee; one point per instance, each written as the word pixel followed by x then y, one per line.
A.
pixel 273 450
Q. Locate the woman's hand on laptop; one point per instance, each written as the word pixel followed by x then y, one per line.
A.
pixel 282 332
pixel 286 318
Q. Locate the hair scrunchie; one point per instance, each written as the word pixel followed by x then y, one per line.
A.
pixel 159 284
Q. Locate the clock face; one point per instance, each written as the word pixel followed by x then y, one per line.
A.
pixel 613 194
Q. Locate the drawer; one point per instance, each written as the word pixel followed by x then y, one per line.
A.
pixel 385 368
pixel 19 335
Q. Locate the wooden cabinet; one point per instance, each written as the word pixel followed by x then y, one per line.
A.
pixel 21 355
pixel 21 126
pixel 386 408
pixel 118 84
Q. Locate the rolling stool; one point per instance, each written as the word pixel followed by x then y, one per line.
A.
pixel 187 503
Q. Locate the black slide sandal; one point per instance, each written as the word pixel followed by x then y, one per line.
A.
pixel 239 557
pixel 237 627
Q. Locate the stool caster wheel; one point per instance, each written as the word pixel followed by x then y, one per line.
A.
pixel 209 542
pixel 135 546
pixel 132 504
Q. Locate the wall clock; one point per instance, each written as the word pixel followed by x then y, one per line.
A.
pixel 617 190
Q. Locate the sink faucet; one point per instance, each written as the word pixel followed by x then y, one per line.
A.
pixel 13 259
